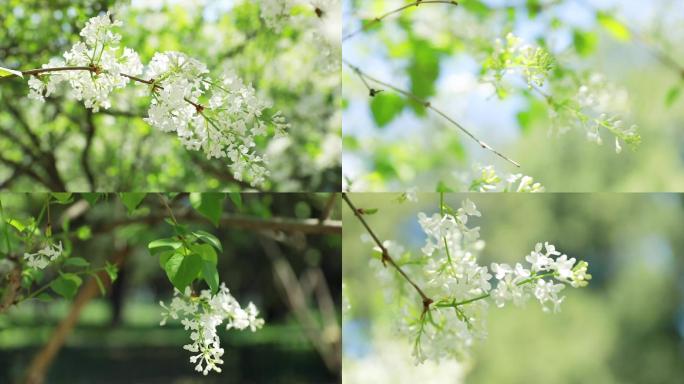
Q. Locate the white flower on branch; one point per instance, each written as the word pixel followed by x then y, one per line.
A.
pixel 202 315
pixel 44 257
pixel 453 287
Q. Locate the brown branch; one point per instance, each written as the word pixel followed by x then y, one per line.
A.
pixel 35 373
pixel 329 205
pixel 85 164
pixel 297 300
pixel 425 103
pixel 12 287
pixel 386 257
pixel 378 19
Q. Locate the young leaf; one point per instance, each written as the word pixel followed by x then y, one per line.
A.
pixel 159 245
pixel 672 95
pixel 77 262
pixel 111 270
pixel 614 27
pixel 182 269
pixel 209 205
pixel 92 197
pixel 236 198
pixel 210 275
pixel 385 107
pixel 132 200
pixel 66 285
pixel 5 72
pixel 62 197
pixel 209 239
pixel 206 252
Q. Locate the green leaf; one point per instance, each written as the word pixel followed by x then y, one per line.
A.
pixel 158 245
pixel 535 113
pixel 442 187
pixel 62 197
pixel 19 226
pixel 209 205
pixel 672 95
pixel 112 271
pixel 385 107
pixel 206 252
pixel 66 285
pixel 164 258
pixel 92 197
pixel 44 297
pixel 423 71
pixel 5 72
pixel 585 42
pixel 77 262
pixel 236 198
pixel 614 27
pixel 209 239
pixel 210 275
pixel 95 276
pixel 182 269
pixel 369 211
pixel 132 200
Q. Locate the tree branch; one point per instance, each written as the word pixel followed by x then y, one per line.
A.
pixel 89 133
pixel 365 78
pixel 386 257
pixel 378 19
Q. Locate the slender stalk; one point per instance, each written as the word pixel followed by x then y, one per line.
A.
pixel 378 19
pixel 95 69
pixel 386 257
pixel 425 103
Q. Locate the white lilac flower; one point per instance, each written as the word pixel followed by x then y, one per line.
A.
pixel 275 13
pixel 202 315
pixel 102 53
pixel 487 180
pixel 458 287
pixel 225 127
pixel 44 257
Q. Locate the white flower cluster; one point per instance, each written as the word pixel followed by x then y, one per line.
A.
pixel 44 257
pixel 323 31
pixel 515 57
pixel 458 286
pixel 275 13
pixel 101 52
pixel 516 283
pixel 488 180
pixel 201 315
pixel 599 102
pixel 226 127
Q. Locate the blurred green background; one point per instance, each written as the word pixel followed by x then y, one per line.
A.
pixel 626 327
pixel 59 145
pixel 118 337
pixel 436 51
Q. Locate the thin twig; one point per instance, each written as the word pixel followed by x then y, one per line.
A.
pixel 364 77
pixel 378 19
pixel 386 257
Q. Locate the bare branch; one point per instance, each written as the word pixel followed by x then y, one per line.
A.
pixel 365 78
